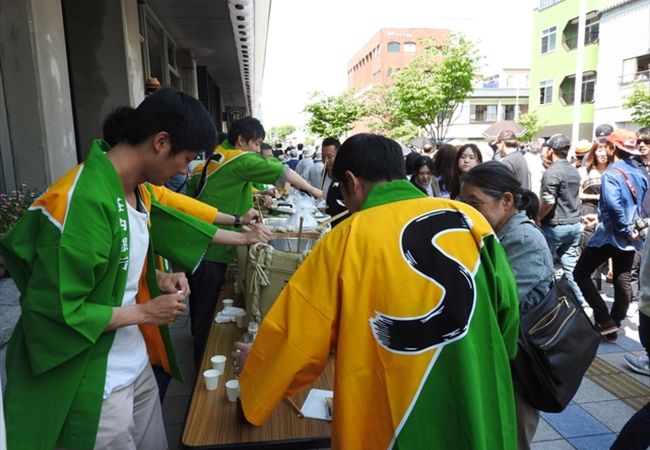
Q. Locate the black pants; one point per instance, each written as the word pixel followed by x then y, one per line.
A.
pixel 644 332
pixel 205 284
pixel 591 258
pixel 635 435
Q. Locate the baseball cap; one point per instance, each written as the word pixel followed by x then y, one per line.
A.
pixel 624 140
pixel 604 130
pixel 558 142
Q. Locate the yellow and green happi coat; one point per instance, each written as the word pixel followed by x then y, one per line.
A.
pixel 69 257
pixel 417 299
pixel 228 186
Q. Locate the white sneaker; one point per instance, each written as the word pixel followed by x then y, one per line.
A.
pixel 639 364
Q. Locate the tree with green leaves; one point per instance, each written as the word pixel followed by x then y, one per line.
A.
pixel 333 115
pixel 381 109
pixel 639 103
pixel 531 124
pixel 431 88
pixel 281 132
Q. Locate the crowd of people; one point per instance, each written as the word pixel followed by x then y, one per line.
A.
pixel 418 292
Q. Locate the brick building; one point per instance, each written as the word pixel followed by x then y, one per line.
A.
pixel 387 51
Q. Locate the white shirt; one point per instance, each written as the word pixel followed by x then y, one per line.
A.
pixel 128 357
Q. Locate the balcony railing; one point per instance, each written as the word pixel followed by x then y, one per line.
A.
pixel 632 77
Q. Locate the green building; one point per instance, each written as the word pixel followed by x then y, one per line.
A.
pixel 553 65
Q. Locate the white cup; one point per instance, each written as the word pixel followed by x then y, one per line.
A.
pixel 227 302
pixel 219 363
pixel 232 390
pixel 241 319
pixel 211 378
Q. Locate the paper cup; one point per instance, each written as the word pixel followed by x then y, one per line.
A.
pixel 219 363
pixel 232 390
pixel 241 319
pixel 211 378
pixel 228 302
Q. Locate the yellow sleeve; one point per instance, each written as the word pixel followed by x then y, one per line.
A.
pixel 188 205
pixel 294 342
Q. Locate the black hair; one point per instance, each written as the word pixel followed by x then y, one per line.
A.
pixel 249 128
pixel 115 123
pixel 561 153
pixel 188 123
pixel 495 179
pixel 409 161
pixel 445 165
pixel 455 181
pixel 300 146
pixel 265 146
pixel 331 141
pixel 420 162
pixel 371 157
pixel 643 134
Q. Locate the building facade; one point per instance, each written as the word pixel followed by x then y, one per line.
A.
pixel 65 64
pixel 387 51
pixel 623 60
pixel 554 65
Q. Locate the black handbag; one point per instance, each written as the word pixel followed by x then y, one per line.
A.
pixel 557 344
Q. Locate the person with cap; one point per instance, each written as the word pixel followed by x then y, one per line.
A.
pixel 508 149
pixel 302 168
pixel 582 148
pixel 602 131
pixel 559 210
pixel 617 235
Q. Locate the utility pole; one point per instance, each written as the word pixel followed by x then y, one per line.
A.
pixel 577 94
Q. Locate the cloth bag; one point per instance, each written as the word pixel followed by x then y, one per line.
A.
pixel 557 344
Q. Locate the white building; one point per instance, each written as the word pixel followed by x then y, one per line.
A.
pixel 503 96
pixel 623 59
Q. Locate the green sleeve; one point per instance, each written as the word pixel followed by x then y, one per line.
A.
pixel 62 314
pixel 180 238
pixel 256 169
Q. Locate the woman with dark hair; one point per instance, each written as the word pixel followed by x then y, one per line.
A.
pixel 422 177
pixel 444 163
pixel 493 190
pixel 467 157
pixel 592 168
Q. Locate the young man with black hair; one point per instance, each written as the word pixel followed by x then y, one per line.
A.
pixel 226 182
pixel 559 211
pixel 331 189
pixel 410 299
pixel 93 305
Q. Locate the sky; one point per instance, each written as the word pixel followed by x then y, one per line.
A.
pixel 310 42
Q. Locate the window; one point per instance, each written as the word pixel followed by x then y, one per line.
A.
pixel 548 39
pixel 508 112
pixel 592 28
pixel 636 69
pixel 543 4
pixel 393 47
pixel 545 92
pixel 483 113
pixel 159 51
pixel 409 47
pixel 567 88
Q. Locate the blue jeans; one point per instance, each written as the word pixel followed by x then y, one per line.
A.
pixel 564 241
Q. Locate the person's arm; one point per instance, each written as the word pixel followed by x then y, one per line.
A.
pixel 548 193
pixel 157 311
pixel 296 180
pixel 258 233
pixel 612 204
